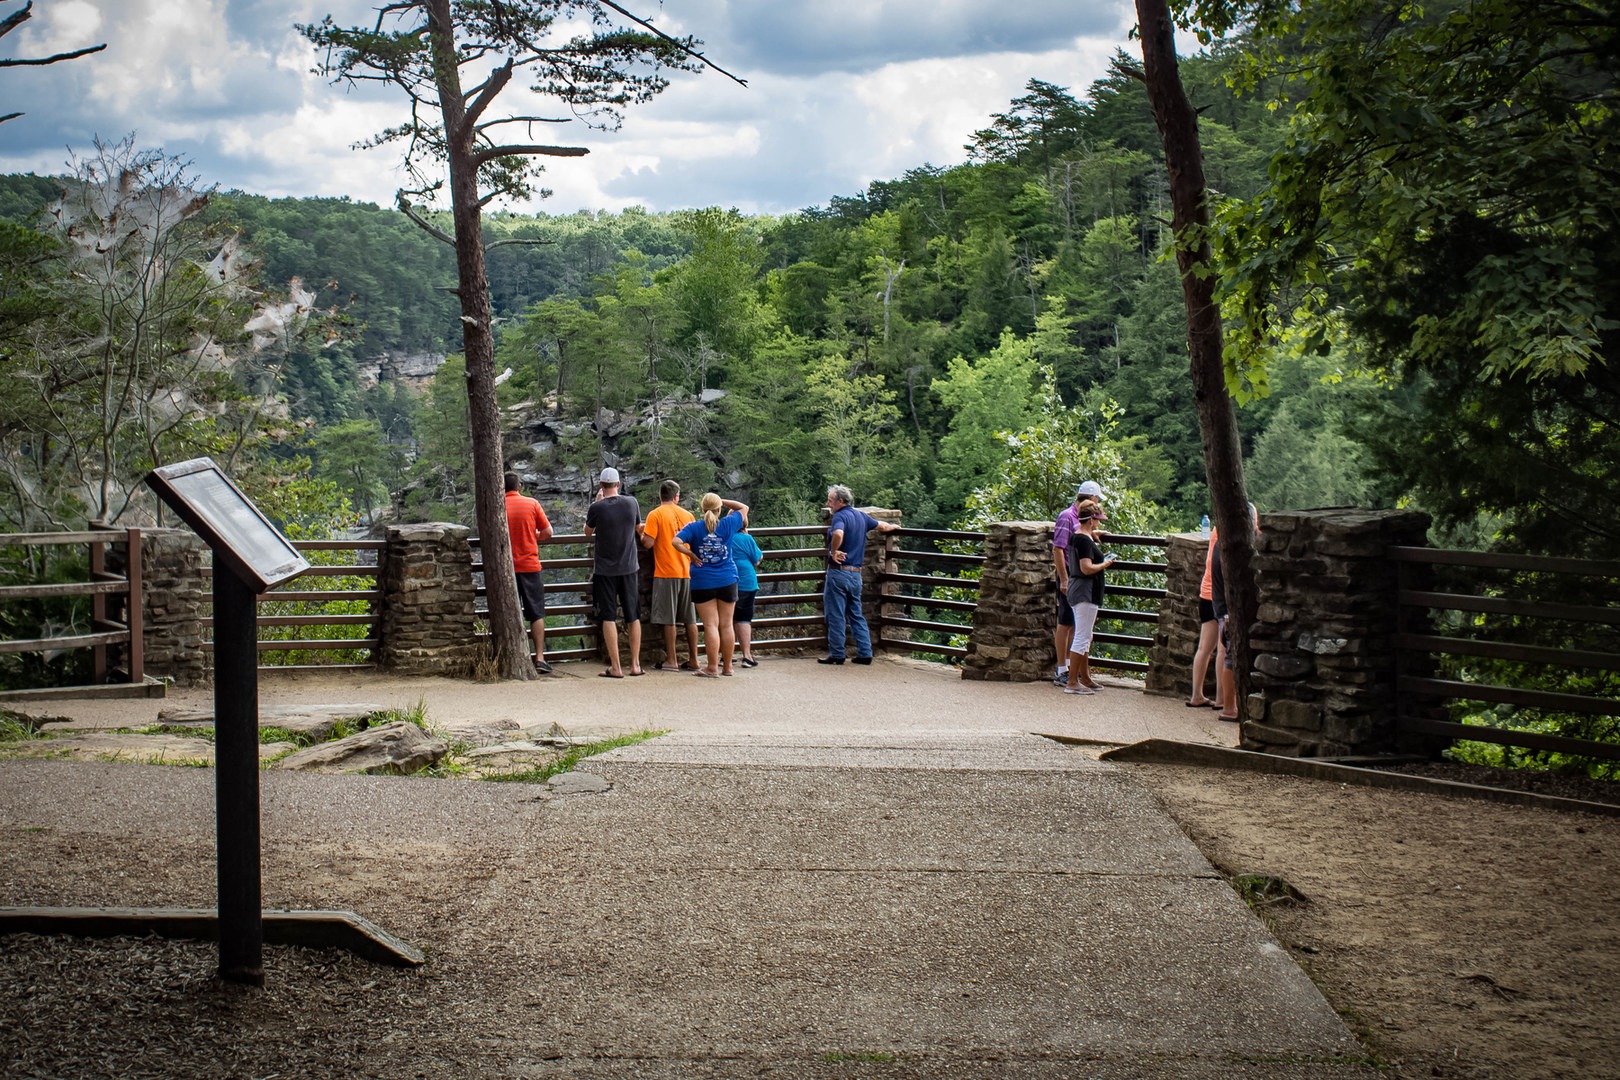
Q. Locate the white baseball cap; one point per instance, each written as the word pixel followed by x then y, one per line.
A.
pixel 609 475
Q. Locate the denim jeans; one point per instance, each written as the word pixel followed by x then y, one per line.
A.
pixel 841 599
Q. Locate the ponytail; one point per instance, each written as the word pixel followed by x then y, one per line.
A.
pixel 712 507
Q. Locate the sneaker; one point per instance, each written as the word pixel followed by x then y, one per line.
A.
pixel 542 667
pixel 1078 690
pixel 1060 677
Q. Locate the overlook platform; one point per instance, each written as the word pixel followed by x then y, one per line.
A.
pixel 818 872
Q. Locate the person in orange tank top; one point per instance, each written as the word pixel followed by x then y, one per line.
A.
pixel 527 525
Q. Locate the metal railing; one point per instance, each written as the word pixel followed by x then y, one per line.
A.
pixel 350 567
pixel 1482 635
pixel 105 632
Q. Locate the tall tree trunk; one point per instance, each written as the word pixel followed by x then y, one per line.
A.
pixel 510 645
pixel 1217 422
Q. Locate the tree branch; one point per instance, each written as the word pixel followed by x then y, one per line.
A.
pixel 523 241
pixel 490 153
pixel 52 59
pixel 688 50
pixel 423 223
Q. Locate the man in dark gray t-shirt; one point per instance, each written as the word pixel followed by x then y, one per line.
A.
pixel 613 522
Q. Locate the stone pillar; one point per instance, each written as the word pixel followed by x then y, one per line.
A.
pixel 427 624
pixel 1324 649
pixel 1176 638
pixel 1012 625
pixel 879 559
pixel 174 593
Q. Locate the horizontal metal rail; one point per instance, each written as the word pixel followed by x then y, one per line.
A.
pixel 1530 740
pixel 952 535
pixel 70 641
pixel 1508 695
pixel 934 580
pixel 954 629
pixel 904 555
pixel 1504 650
pixel 66 588
pixel 1492 560
pixel 1501 605
pixel 908 601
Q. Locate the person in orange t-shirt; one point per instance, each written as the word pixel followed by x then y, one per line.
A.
pixel 672 576
pixel 527 524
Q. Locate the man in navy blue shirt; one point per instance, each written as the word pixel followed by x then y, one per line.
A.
pixel 841 598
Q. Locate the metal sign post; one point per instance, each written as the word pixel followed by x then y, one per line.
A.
pixel 250 556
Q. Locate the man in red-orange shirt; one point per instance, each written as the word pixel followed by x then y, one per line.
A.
pixel 527 524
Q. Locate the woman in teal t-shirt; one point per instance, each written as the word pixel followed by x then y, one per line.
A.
pixel 746 554
pixel 707 542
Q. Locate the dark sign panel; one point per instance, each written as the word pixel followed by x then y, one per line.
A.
pixel 207 500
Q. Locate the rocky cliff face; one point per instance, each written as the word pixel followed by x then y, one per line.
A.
pixel 415 370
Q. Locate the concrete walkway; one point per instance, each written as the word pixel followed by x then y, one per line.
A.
pixel 818 871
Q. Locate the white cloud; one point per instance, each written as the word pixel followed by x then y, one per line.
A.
pixel 859 91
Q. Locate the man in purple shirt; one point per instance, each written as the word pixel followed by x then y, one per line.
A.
pixel 1062 529
pixel 841 597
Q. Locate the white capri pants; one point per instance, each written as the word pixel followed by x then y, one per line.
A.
pixel 1085 618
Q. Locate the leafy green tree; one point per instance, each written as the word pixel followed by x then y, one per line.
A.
pixel 612 59
pixel 1048 459
pixel 983 397
pixel 1446 196
pixel 356 457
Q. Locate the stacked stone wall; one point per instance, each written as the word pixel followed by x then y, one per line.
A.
pixel 1012 625
pixel 174 592
pixel 1175 639
pixel 1324 643
pixel 428 619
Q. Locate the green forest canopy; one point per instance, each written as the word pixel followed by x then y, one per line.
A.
pixel 900 338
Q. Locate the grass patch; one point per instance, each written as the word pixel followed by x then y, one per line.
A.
pixel 566 761
pixel 14 727
pixel 414 714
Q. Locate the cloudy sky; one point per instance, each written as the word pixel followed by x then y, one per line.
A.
pixel 839 93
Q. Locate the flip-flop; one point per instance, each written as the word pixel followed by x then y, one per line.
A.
pixel 700 673
pixel 689 666
pixel 637 674
pixel 727 674
pixel 667 667
pixel 609 675
pixel 1196 704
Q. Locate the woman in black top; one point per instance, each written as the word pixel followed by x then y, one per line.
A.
pixel 1086 566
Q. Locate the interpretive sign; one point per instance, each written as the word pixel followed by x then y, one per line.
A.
pixel 208 501
pixel 250 556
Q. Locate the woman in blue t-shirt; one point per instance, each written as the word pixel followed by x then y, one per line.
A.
pixel 707 542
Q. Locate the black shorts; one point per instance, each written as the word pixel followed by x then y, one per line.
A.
pixel 613 593
pixel 532 595
pixel 745 605
pixel 1206 610
pixel 1065 611
pixel 726 594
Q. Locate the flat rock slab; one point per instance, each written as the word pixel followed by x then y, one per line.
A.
pixel 128 746
pixel 314 722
